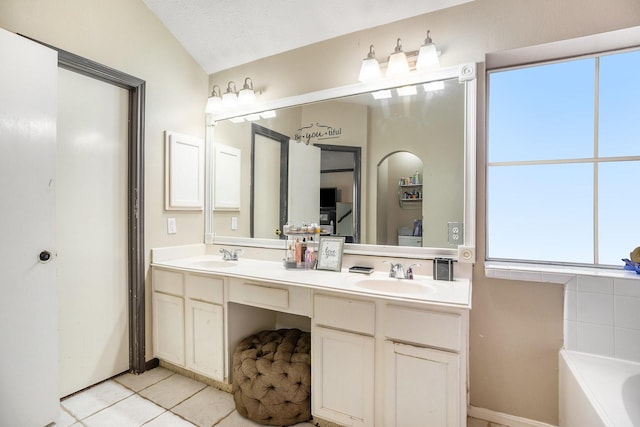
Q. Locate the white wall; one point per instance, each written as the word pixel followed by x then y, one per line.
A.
pixel 125 35
pixel 516 327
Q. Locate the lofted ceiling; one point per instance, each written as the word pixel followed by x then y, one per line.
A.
pixel 222 34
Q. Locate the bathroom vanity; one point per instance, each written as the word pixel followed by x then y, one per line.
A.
pixel 385 352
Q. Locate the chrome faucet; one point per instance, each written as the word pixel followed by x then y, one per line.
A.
pixel 398 271
pixel 230 256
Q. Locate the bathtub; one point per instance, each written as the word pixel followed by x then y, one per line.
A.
pixel 597 391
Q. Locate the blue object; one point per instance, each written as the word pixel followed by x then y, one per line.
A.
pixel 630 265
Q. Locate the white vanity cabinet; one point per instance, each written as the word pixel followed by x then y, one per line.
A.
pixel 377 360
pixel 343 354
pixel 168 316
pixel 188 321
pixel 424 372
pixel 204 325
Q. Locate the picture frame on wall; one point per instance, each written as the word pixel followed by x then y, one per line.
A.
pixel 330 253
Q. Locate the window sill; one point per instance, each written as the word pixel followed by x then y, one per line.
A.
pixel 550 273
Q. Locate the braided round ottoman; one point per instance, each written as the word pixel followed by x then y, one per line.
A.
pixel 272 377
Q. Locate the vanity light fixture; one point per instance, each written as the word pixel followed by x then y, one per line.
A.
pixel 214 103
pixel 370 68
pixel 400 62
pixel 428 55
pixel 247 96
pixel 397 61
pixel 230 99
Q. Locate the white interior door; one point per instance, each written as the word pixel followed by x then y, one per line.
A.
pixel 304 183
pixel 91 206
pixel 266 193
pixel 28 306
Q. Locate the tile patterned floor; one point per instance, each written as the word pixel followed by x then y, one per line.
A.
pixel 159 398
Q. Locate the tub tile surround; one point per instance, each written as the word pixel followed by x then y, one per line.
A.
pixel 602 316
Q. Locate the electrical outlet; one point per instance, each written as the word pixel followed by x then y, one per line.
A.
pixel 456 233
pixel 234 222
pixel 171 226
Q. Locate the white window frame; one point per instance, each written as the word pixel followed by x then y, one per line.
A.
pixel 589 46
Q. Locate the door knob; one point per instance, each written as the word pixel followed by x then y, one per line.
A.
pixel 44 256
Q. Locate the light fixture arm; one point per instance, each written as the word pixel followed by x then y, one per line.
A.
pixel 398 48
pixel 372 53
pixel 428 39
pixel 229 90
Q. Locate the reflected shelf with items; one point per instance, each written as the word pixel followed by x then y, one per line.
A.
pixel 409 195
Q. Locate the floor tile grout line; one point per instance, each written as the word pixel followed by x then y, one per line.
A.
pixel 150 385
pixel 224 418
pixel 102 409
pixel 189 397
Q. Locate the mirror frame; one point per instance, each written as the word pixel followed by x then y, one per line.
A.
pixel 465 73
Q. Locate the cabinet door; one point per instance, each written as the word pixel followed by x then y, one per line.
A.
pixel 168 328
pixel 342 372
pixel 205 339
pixel 422 387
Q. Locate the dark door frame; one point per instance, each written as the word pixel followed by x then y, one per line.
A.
pixel 357 181
pixel 283 140
pixel 136 89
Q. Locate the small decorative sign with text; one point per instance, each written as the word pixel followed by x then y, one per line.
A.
pixel 317 132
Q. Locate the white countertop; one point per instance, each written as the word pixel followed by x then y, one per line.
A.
pixel 422 289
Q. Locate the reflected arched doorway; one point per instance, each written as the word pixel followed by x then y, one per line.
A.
pixel 399 198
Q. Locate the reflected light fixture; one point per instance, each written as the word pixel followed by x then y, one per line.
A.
pixel 428 55
pixel 252 117
pixel 370 68
pixel 214 103
pixel 397 61
pixel 382 94
pixel 247 95
pixel 230 99
pixel 407 91
pixel 433 86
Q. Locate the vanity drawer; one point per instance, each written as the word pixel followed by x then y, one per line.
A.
pixel 283 298
pixel 168 282
pixel 430 328
pixel 205 288
pixel 344 313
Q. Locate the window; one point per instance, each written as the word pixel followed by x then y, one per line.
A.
pixel 563 160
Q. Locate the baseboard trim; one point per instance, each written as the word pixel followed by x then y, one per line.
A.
pixel 151 364
pixel 504 419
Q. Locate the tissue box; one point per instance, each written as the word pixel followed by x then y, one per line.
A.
pixel 443 269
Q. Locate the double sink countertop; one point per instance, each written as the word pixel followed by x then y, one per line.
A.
pixel 422 289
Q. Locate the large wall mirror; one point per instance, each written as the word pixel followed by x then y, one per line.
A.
pixel 390 166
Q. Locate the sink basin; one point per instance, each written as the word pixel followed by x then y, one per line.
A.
pixel 395 286
pixel 212 263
